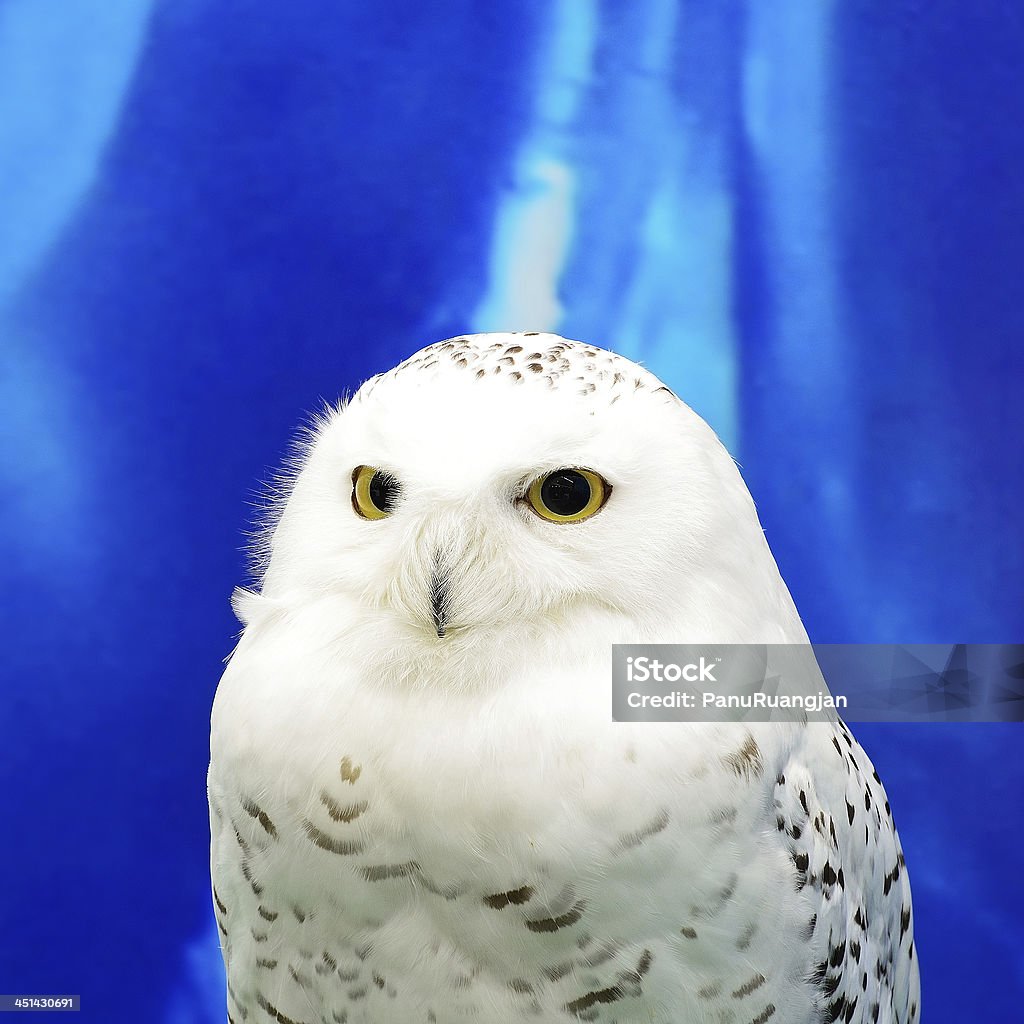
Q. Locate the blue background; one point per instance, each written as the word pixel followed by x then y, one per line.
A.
pixel 807 218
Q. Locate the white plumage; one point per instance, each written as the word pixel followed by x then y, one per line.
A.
pixel 421 810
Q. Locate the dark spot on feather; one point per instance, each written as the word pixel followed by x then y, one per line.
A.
pixel 344 847
pixel 835 1010
pixel 255 811
pixel 515 896
pixel 721 898
pixel 746 762
pixel 301 979
pixel 553 924
pixel 273 1011
pixel 747 936
pixel 243 845
pixel 257 889
pixel 342 812
pixel 604 995
pixel 557 971
pixel 750 986
pixel 382 872
pixel 630 840
pixel 723 816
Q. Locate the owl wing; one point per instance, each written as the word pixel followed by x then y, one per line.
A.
pixel 834 818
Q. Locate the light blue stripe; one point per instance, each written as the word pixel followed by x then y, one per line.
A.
pixel 64 69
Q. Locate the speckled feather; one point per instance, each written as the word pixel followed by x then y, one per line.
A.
pixel 413 828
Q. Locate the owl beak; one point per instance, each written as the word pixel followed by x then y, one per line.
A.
pixel 439 601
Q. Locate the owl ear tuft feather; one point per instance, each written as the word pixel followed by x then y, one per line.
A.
pixel 271 496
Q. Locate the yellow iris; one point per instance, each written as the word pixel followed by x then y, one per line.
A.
pixel 373 492
pixel 568 495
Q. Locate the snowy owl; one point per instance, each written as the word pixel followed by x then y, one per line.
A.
pixel 421 809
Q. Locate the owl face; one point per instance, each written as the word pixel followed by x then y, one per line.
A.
pixel 464 494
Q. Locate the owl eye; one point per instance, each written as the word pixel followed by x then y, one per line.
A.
pixel 568 495
pixel 374 492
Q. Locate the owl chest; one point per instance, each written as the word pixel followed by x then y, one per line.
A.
pixel 386 801
pixel 458 851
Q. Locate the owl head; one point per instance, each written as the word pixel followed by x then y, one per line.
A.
pixel 495 485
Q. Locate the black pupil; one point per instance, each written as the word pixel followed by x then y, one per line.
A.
pixel 566 492
pixel 383 491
